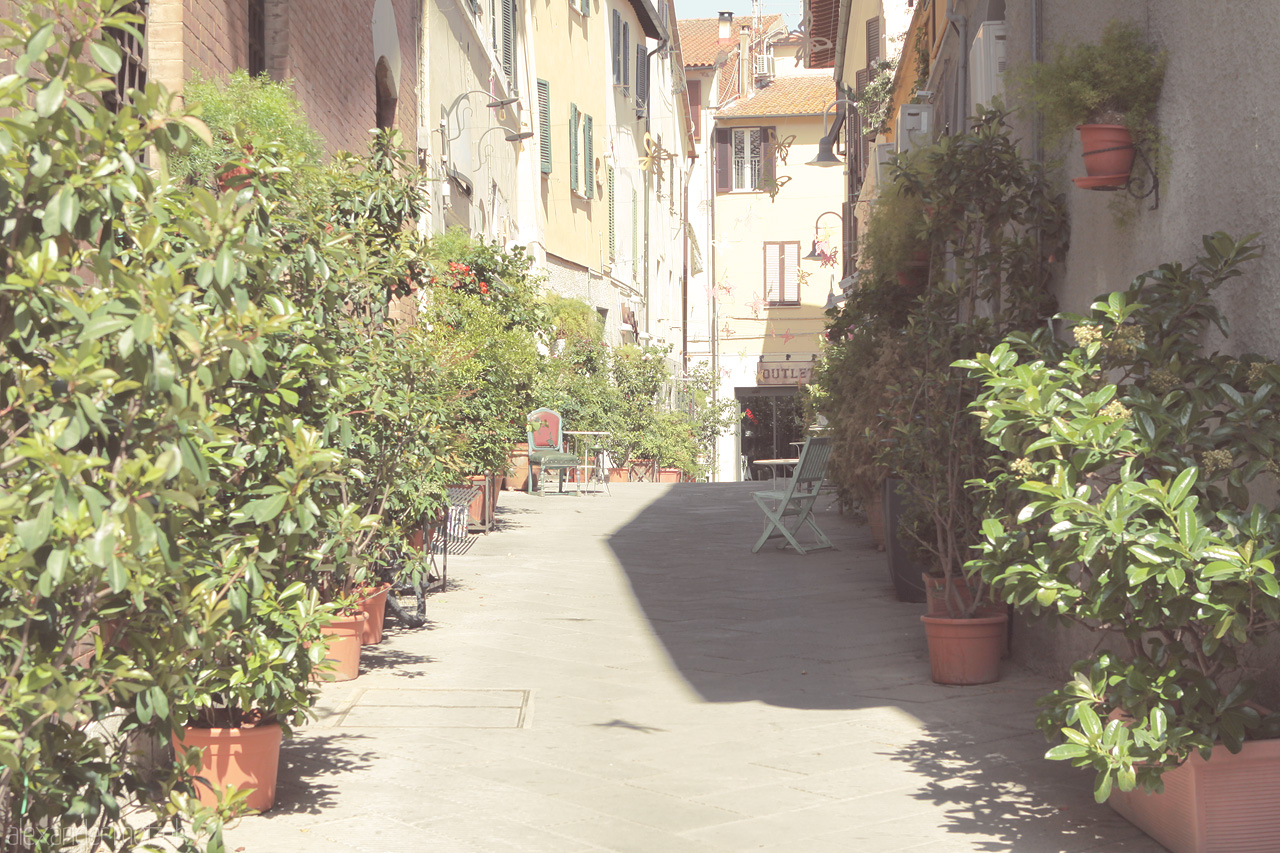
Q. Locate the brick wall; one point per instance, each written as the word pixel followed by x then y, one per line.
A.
pixel 326 48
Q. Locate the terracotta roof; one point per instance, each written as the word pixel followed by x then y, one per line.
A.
pixel 786 96
pixel 700 38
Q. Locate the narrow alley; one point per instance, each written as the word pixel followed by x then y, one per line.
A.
pixel 621 673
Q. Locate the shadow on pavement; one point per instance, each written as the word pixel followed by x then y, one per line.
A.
pixel 821 630
pixel 312 770
pixel 401 663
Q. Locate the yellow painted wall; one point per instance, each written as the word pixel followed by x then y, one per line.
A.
pixel 573 52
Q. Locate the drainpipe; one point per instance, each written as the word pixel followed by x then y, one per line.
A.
pixel 745 74
pixel 1036 122
pixel 961 24
pixel 684 275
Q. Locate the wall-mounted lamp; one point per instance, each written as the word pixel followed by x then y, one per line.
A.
pixel 821 250
pixel 517 137
pixel 827 144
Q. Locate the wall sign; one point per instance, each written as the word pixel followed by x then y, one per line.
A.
pixel 784 372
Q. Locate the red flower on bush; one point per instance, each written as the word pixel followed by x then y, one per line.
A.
pixel 484 287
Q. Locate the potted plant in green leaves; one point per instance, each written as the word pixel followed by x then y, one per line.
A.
pixel 1128 502
pixel 993 214
pixel 894 245
pixel 1108 91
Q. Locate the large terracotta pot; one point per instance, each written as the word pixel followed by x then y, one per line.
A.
pixel 875 521
pixel 374 607
pixel 478 511
pixel 619 475
pixel 1108 155
pixel 668 475
pixel 964 651
pixel 343 650
pixel 519 475
pixel 1228 804
pixel 935 603
pixel 242 758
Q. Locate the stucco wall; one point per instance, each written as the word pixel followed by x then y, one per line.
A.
pixel 1224 174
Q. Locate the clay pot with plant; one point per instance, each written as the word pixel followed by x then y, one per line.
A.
pixel 1127 503
pixel 1108 91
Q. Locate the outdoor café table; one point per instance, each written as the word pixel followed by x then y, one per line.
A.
pixel 777 464
pixel 590 469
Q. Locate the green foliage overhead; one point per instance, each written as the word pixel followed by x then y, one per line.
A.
pixel 237 109
pixel 1122 498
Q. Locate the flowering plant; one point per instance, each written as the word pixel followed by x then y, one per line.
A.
pixel 1126 504
pixel 462 277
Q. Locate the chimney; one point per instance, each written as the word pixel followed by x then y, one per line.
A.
pixel 726 26
pixel 745 72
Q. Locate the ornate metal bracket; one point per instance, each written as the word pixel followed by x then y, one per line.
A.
pixel 1137 185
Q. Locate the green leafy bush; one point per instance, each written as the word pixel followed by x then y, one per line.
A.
pixel 1121 500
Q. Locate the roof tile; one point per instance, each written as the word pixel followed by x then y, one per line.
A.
pixel 786 96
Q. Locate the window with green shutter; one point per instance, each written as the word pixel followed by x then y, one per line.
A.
pixel 544 121
pixel 586 7
pixel 613 215
pixel 509 43
pixel 588 159
pixel 626 50
pixel 573 147
pixel 642 81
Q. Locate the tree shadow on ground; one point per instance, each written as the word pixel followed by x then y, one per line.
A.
pixel 400 662
pixel 1001 788
pixel 312 769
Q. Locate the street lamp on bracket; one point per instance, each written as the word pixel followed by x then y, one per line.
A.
pixel 826 145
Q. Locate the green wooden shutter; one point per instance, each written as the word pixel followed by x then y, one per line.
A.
pixel 616 32
pixel 588 158
pixel 626 51
pixel 642 80
pixel 509 42
pixel 586 7
pixel 573 147
pixel 544 119
pixel 613 216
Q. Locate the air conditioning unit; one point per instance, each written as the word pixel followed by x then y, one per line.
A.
pixel 987 60
pixel 884 154
pixel 764 65
pixel 915 126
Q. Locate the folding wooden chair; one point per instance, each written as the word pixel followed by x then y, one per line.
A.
pixel 797 499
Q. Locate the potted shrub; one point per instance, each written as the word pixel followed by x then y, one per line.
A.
pixel 894 246
pixel 1108 91
pixel 1126 504
pixel 992 213
pixel 249 684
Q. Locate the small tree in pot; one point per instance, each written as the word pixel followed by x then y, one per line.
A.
pixel 1123 504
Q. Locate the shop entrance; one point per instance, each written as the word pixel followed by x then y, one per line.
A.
pixel 771 420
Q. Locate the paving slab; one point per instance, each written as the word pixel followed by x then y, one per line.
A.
pixel 621 673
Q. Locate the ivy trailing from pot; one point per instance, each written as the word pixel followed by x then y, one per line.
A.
pixel 1123 499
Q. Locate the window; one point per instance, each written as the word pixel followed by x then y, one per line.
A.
pixel 544 122
pixel 615 31
pixel 695 107
pixel 133 68
pixel 502 15
pixel 573 147
pixel 781 279
pixel 745 158
pixel 385 95
pixel 588 158
pixel 257 37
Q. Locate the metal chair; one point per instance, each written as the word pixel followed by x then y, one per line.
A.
pixel 797 499
pixel 546 447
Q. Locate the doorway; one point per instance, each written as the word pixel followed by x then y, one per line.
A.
pixel 771 421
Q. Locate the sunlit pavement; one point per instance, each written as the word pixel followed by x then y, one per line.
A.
pixel 622 673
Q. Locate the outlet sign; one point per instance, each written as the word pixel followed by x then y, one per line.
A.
pixel 784 372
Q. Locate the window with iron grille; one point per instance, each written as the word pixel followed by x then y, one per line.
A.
pixel 133 67
pixel 257 37
pixel 781 279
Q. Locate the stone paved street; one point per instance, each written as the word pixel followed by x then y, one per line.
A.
pixel 621 673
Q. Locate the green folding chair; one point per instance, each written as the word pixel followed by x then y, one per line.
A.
pixel 797 499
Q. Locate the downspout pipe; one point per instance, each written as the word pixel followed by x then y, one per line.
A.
pixel 961 108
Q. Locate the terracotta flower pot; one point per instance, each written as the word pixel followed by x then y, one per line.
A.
pixel 964 651
pixel 619 475
pixel 242 758
pixel 1108 155
pixel 477 512
pixel 1228 803
pixel 519 469
pixel 875 521
pixel 375 608
pixel 342 653
pixel 936 603
pixel 668 475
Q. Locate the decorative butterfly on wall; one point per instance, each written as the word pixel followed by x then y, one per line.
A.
pixel 654 155
pixel 773 186
pixel 782 147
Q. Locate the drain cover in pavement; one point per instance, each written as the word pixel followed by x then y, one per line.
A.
pixel 437 709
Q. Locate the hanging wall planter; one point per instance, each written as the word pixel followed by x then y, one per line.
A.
pixel 1108 156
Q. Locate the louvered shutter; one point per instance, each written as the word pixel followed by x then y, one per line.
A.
pixel 635 236
pixel 861 79
pixel 788 273
pixel 642 81
pixel 544 120
pixel 772 268
pixel 509 42
pixel 586 7
pixel 617 48
pixel 873 41
pixel 724 161
pixel 588 159
pixel 626 53
pixel 573 147
pixel 769 156
pixel 613 216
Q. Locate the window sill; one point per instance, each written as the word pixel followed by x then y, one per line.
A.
pixel 783 305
